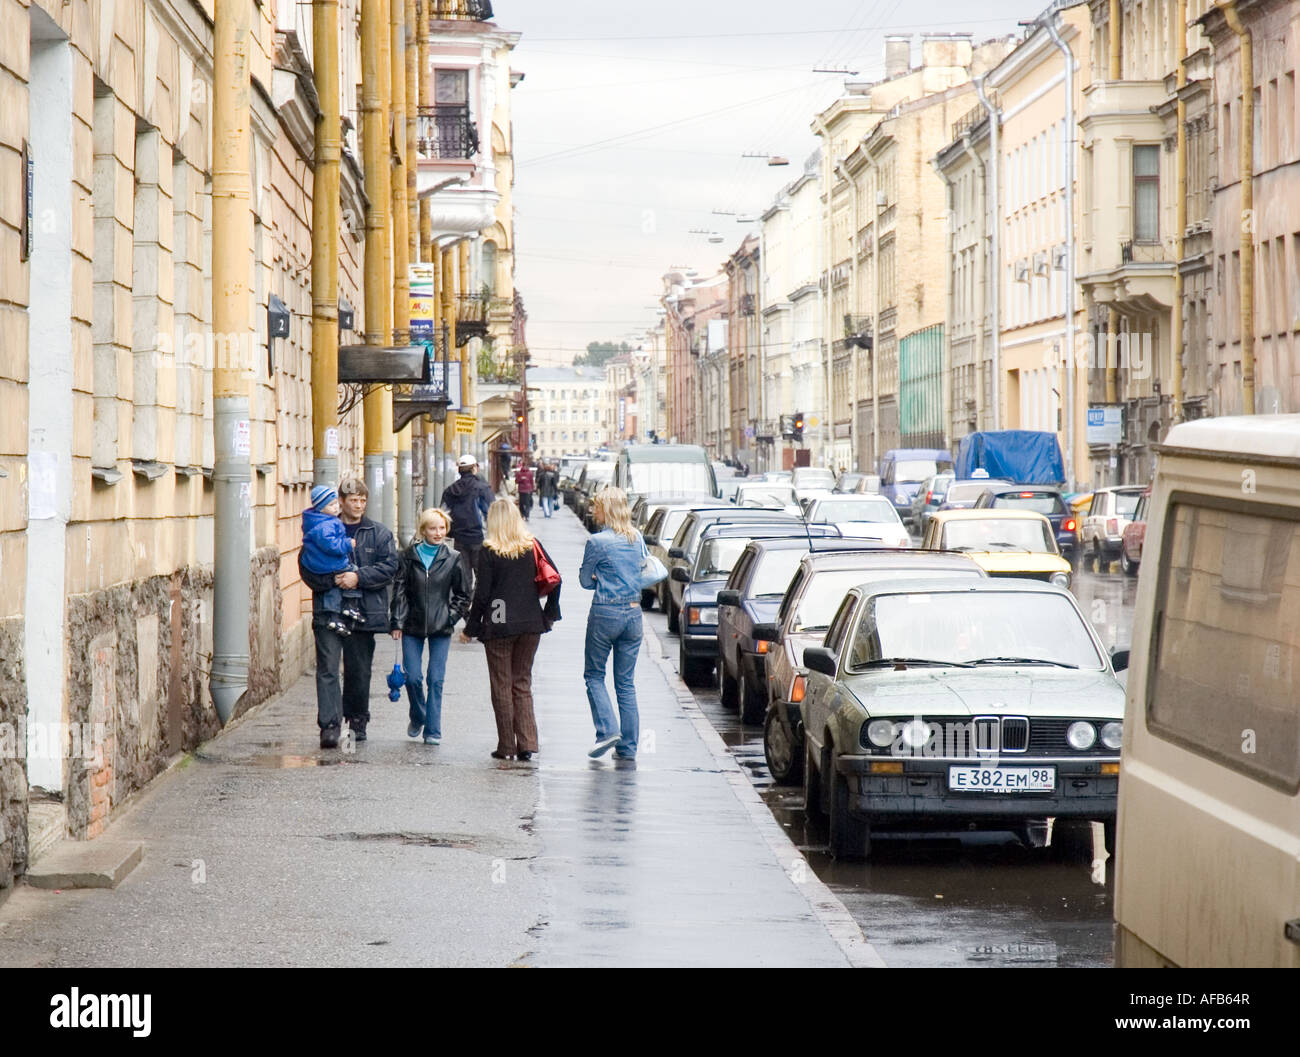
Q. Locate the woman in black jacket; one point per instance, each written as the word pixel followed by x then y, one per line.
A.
pixel 429 596
pixel 509 619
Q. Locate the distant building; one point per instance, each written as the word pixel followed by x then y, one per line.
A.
pixel 570 410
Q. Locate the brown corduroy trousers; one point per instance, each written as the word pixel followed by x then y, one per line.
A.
pixel 510 671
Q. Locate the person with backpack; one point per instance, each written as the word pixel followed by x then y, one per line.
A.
pixel 429 596
pixel 467 500
pixel 508 617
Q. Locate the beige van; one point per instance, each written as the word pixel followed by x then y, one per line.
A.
pixel 1208 844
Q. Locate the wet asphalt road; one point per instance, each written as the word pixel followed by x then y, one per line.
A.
pixel 960 899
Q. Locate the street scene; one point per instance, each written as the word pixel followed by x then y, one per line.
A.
pixel 567 485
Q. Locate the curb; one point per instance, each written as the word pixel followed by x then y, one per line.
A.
pixel 824 904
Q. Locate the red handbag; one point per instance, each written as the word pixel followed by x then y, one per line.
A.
pixel 548 576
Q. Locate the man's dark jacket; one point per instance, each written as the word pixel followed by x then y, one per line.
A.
pixel 467 500
pixel 429 601
pixel 375 557
pixel 547 482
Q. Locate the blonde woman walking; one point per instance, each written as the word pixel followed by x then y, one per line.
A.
pixel 611 566
pixel 509 619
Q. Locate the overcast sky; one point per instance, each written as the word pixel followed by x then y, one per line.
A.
pixel 631 124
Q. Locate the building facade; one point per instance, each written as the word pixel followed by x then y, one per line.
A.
pixel 570 410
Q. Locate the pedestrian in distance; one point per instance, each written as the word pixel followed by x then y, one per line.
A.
pixel 467 500
pixel 548 488
pixel 327 551
pixel 611 566
pixel 429 597
pixel 508 617
pixel 375 557
pixel 527 488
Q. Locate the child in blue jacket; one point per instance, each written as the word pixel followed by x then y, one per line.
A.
pixel 326 548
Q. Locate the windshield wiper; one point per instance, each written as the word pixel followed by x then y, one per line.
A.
pixel 1023 660
pixel 881 661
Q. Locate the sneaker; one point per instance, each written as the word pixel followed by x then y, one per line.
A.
pixel 329 738
pixel 358 731
pixel 413 730
pixel 338 625
pixel 428 740
pixel 603 746
pixel 352 613
pixel 525 756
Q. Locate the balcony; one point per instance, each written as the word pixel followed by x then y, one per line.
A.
pixel 746 304
pixel 1131 252
pixel 460 10
pixel 471 317
pixel 446 133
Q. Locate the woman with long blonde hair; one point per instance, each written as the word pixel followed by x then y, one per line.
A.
pixel 509 619
pixel 611 566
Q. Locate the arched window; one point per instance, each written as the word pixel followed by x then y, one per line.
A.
pixel 489 270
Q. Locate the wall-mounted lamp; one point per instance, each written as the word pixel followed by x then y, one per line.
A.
pixel 347 315
pixel 277 326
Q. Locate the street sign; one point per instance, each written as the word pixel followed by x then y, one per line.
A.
pixel 1105 425
pixel 465 424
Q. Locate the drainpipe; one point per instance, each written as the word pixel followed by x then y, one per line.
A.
pixel 378 406
pixel 828 417
pixel 995 256
pixel 325 245
pixel 402 514
pixel 950 240
pixel 413 435
pixel 981 283
pixel 853 350
pixel 448 291
pixel 232 241
pixel 463 354
pixel 875 325
pixel 425 77
pixel 1180 218
pixel 1247 245
pixel 1113 24
pixel 1050 25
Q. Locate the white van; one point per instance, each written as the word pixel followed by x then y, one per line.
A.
pixel 1208 843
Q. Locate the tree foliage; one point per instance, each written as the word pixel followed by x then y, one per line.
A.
pixel 599 353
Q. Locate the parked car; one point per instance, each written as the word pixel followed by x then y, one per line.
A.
pixel 1003 542
pixel 720 547
pixel 869 517
pixel 752 595
pixel 903 469
pixel 816 590
pixel 1042 499
pixel 1130 548
pixel 868 485
pixel 665 469
pixel 804 478
pixel 595 475
pixel 957 704
pixel 660 528
pixel 926 501
pixel 963 494
pixel 1102 530
pixel 771 495
pixel 848 481
pixel 645 505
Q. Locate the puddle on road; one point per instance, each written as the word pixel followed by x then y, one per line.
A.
pixel 425 840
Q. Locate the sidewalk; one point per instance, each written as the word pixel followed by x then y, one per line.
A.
pixel 263 850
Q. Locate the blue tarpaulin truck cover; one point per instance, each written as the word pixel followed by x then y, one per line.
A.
pixel 1024 456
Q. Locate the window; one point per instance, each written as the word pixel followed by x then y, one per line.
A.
pixel 1146 193
pixel 1229 586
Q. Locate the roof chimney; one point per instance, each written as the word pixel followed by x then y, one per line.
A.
pixel 898 54
pixel 945 49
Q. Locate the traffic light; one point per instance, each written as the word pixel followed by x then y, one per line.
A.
pixel 519 419
pixel 798 424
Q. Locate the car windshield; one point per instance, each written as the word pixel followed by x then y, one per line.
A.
pixel 718 557
pixel 670 478
pixel 771 495
pixel 965 493
pixel 1039 502
pixel 600 472
pixel 998 534
pixel 914 471
pixel 1126 503
pixel 813 478
pixel 827 588
pixel 775 571
pixel 672 522
pixel 977 627
pixel 836 511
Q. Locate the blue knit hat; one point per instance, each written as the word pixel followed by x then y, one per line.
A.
pixel 322 495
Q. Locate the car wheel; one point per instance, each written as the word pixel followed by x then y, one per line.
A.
pixel 753 703
pixel 850 836
pixel 674 618
pixel 1127 564
pixel 784 756
pixel 647 600
pixel 812 786
pixel 730 688
pixel 695 671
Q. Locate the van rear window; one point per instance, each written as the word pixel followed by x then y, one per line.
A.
pixel 1225 681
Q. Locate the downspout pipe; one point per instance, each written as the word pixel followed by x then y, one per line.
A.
pixel 853 349
pixel 981 282
pixel 1049 23
pixel 1247 236
pixel 325 245
pixel 995 255
pixel 232 241
pixel 1180 217
pixel 828 416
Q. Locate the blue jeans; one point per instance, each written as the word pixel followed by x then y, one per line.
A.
pixel 426 711
pixel 548 505
pixel 614 627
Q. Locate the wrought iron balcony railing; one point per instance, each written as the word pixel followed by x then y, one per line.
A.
pixel 446 132
pixel 746 304
pixel 1148 252
pixel 460 10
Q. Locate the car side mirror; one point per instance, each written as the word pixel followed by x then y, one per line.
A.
pixel 676 552
pixel 767 632
pixel 650 541
pixel 729 598
pixel 1119 660
pixel 681 574
pixel 819 659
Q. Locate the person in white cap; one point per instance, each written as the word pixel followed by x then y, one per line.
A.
pixel 467 501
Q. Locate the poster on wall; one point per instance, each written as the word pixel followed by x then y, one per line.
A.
pixel 422 294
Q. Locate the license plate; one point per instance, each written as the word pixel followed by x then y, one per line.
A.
pixel 1002 779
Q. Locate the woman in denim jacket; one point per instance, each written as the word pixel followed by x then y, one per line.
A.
pixel 611 566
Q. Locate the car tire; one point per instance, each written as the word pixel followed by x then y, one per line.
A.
pixel 695 671
pixel 812 782
pixel 647 600
pixel 752 703
pixel 674 617
pixel 783 753
pixel 1129 567
pixel 729 687
pixel 850 836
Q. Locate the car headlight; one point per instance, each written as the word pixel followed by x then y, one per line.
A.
pixel 702 615
pixel 916 733
pixel 902 500
pixel 1081 735
pixel 880 732
pixel 1112 735
pixel 1060 579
